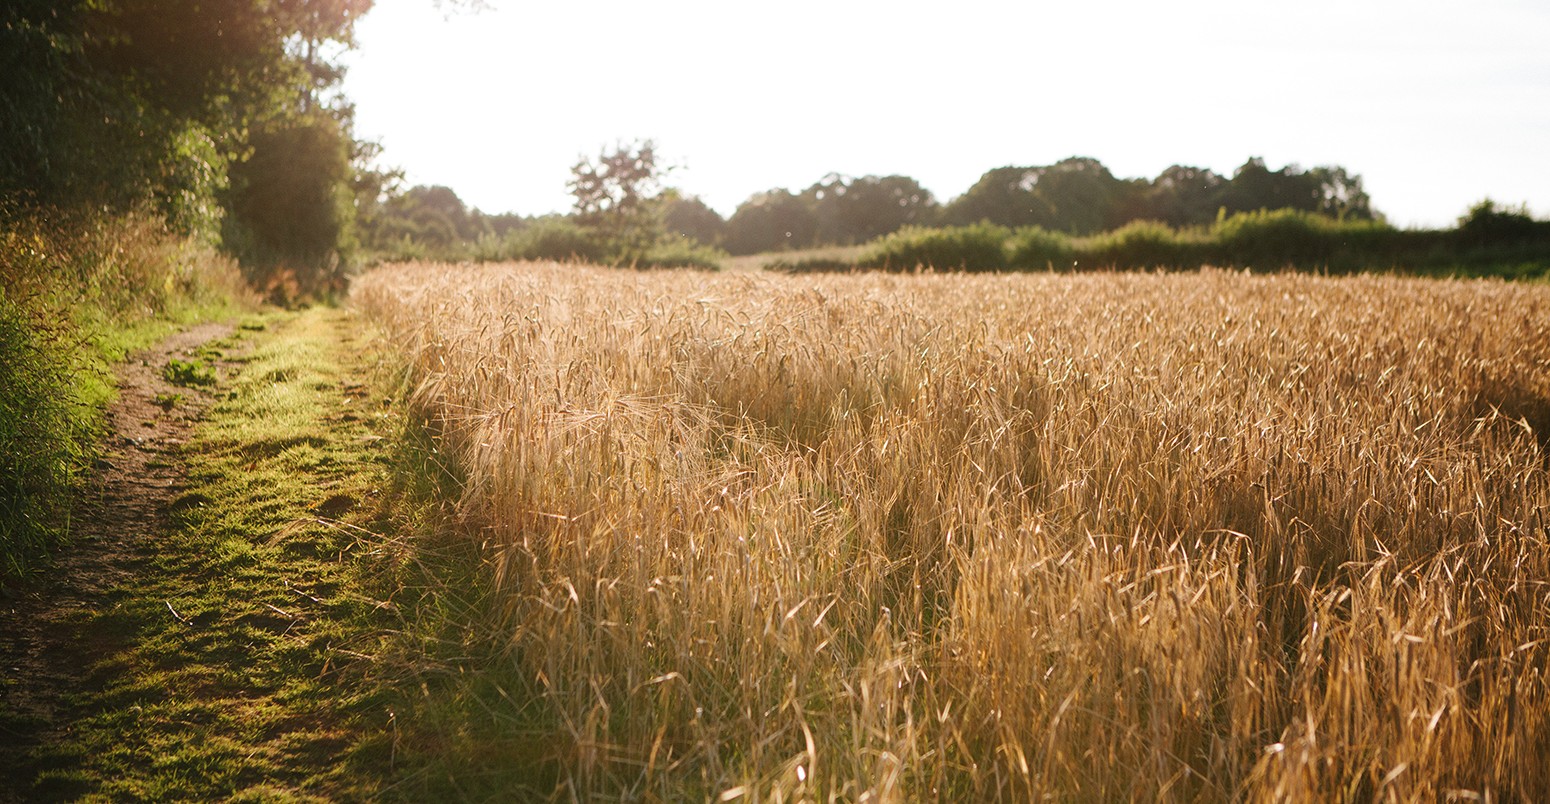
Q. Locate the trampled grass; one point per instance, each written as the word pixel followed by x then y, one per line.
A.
pixel 1194 536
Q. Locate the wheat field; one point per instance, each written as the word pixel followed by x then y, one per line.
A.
pixel 1198 537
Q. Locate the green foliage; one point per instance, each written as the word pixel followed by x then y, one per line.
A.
pixel 199 113
pixel 849 211
pixel 615 195
pixel 980 247
pixel 1080 196
pixel 1329 191
pixel 432 223
pixel 811 265
pixel 776 220
pixel 1076 195
pixel 1279 239
pixel 1487 224
pixel 1143 244
pixel 193 181
pixel 1036 248
pixel 78 291
pixel 293 213
pixel 189 373
pixel 433 218
pixel 682 252
pixel 1488 242
pixel 1179 196
pixel 42 430
pixel 557 239
pixel 41 45
pixel 688 216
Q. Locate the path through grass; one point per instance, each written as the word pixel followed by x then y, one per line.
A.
pixel 229 663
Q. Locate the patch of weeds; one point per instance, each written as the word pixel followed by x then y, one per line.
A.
pixel 168 401
pixel 189 373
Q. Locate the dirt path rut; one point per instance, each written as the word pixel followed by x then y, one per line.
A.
pixel 47 650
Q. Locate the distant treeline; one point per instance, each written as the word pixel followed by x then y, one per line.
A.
pixel 1073 215
pixel 1488 241
pixel 1077 196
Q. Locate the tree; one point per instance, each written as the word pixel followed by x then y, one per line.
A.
pixel 688 216
pixel 1082 195
pixel 1077 195
pixel 162 103
pixel 293 211
pixel 1488 223
pixel 614 195
pixel 857 210
pixel 431 216
pixel 1181 196
pixel 1004 196
pixel 1326 190
pixel 1340 193
pixel 771 221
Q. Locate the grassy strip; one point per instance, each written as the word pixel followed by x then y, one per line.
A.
pixel 77 294
pixel 243 641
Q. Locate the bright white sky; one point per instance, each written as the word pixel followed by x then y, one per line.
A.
pixel 1435 104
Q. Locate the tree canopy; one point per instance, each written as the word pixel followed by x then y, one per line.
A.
pixel 1080 196
pixel 215 113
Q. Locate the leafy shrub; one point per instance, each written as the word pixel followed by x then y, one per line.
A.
pixel 1280 239
pixel 682 252
pixel 124 268
pixel 1488 242
pixel 1037 248
pixel 72 285
pixel 40 430
pixel 559 240
pixel 811 265
pixel 979 247
pixel 1486 223
pixel 1141 244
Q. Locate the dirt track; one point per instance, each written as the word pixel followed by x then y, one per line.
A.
pixel 47 650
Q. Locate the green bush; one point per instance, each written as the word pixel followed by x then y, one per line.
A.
pixel 811 265
pixel 682 252
pixel 76 292
pixel 1037 249
pixel 557 239
pixel 42 424
pixel 979 247
pixel 1489 224
pixel 1142 244
pixel 1273 240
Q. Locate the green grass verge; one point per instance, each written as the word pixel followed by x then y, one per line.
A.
pixel 79 291
pixel 239 656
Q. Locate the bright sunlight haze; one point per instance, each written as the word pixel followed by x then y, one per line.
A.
pixel 1436 105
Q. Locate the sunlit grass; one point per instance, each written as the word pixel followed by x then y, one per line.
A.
pixel 1206 536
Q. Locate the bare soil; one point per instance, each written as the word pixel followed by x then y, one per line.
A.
pixel 51 637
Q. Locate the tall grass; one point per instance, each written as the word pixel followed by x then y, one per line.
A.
pixel 77 291
pixel 1195 536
